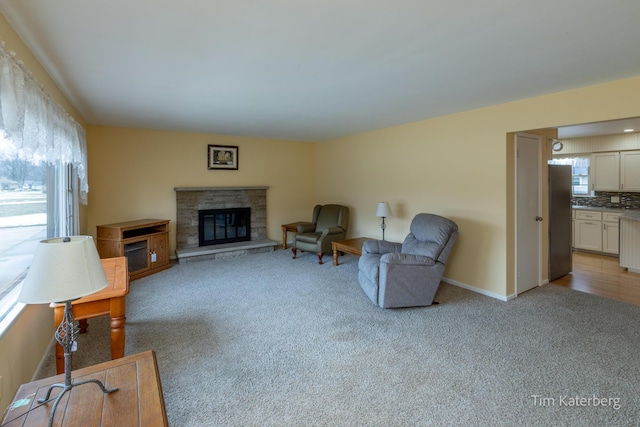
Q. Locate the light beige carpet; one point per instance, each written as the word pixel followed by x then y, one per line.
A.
pixel 264 340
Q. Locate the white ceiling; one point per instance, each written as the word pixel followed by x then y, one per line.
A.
pixel 312 70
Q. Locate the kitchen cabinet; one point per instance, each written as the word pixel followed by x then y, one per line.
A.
pixel 588 231
pixel 630 170
pixel 144 242
pixel 605 171
pixel 610 232
pixel 615 171
pixel 630 241
pixel 596 231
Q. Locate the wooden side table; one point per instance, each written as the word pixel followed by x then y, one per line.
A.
pixel 137 402
pixel 349 246
pixel 292 227
pixel 110 300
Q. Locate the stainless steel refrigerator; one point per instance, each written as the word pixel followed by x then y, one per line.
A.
pixel 560 227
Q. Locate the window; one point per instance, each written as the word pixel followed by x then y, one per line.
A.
pixel 579 174
pixel 35 203
pixel 43 173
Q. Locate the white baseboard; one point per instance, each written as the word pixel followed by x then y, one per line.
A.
pixel 478 290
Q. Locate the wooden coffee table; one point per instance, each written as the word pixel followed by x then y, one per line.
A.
pixel 349 246
pixel 137 402
pixel 110 300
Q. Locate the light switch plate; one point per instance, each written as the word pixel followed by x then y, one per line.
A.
pixel 615 199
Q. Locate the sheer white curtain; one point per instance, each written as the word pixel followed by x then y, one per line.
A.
pixel 37 125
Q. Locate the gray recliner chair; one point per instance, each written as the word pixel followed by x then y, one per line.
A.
pixel 328 224
pixel 408 274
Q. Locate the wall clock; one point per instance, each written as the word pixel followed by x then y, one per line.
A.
pixel 557 145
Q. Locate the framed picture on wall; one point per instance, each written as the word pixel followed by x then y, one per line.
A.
pixel 223 157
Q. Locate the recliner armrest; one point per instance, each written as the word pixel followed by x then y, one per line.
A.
pixel 407 259
pixel 380 247
pixel 333 230
pixel 307 227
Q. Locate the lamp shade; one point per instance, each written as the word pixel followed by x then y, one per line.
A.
pixel 383 210
pixel 63 269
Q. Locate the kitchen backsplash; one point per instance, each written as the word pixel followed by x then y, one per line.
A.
pixel 602 199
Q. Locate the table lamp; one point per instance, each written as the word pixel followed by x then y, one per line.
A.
pixel 64 269
pixel 382 211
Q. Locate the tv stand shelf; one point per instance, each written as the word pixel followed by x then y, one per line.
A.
pixel 145 243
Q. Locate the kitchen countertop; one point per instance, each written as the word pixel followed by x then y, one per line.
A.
pixel 632 214
pixel 601 209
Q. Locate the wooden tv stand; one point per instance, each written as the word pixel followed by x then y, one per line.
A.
pixel 145 243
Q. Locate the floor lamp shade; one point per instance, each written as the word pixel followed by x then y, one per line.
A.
pixel 63 269
pixel 383 210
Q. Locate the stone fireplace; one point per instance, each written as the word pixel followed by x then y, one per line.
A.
pixel 192 201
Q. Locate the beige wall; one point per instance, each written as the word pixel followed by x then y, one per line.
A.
pixel 458 166
pixel 22 346
pixel 133 173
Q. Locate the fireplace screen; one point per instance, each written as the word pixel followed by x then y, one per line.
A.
pixel 217 226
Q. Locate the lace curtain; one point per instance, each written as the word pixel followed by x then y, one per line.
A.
pixel 36 124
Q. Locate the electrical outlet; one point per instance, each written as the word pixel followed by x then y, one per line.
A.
pixel 615 199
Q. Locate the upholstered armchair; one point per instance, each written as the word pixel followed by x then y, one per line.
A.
pixel 408 274
pixel 328 223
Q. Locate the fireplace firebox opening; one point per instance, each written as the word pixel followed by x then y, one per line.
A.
pixel 216 226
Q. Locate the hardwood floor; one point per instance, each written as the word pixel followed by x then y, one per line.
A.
pixel 602 275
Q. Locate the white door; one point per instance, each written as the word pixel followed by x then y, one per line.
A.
pixel 528 217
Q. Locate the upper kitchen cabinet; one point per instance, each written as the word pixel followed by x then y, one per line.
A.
pixel 630 170
pixel 605 171
pixel 615 171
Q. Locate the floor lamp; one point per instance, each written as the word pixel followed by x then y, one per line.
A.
pixel 382 211
pixel 62 270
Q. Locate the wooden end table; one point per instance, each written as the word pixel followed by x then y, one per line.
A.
pixel 110 300
pixel 137 402
pixel 292 227
pixel 349 246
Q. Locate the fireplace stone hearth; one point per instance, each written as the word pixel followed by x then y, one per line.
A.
pixel 190 200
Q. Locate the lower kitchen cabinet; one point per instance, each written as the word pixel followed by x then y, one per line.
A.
pixel 610 232
pixel 596 231
pixel 588 235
